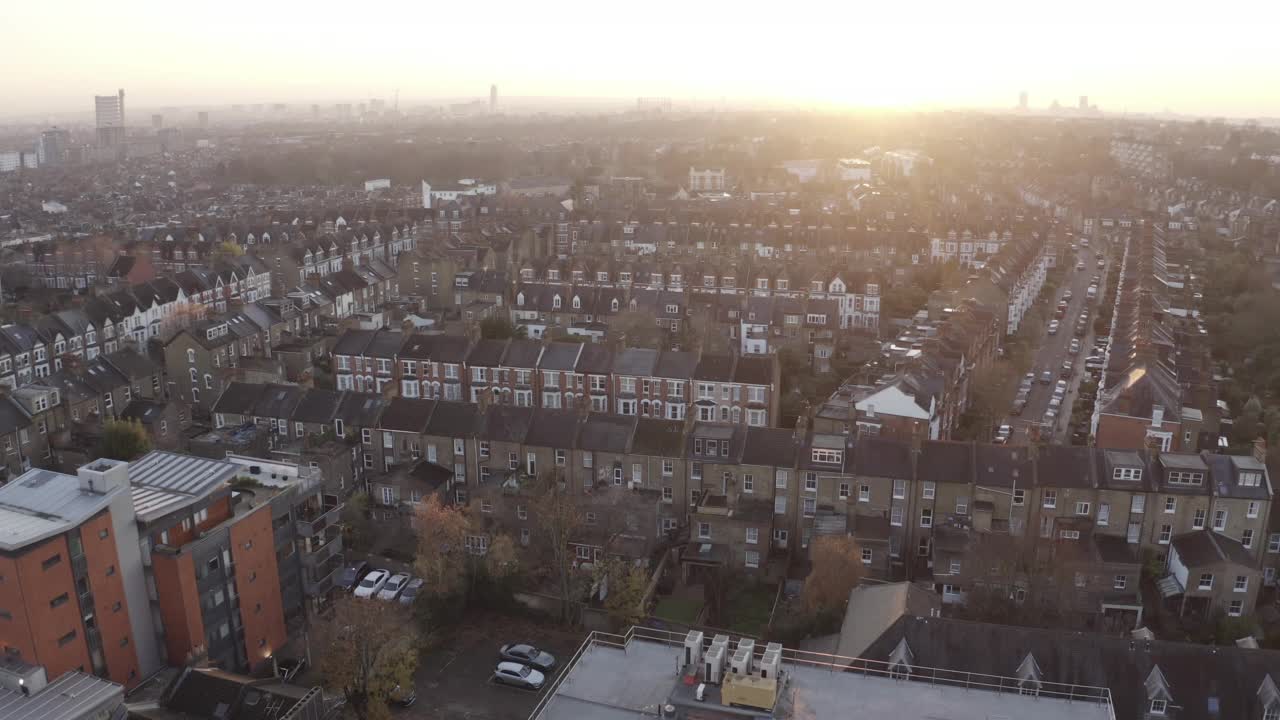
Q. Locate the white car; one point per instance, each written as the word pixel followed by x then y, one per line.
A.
pixel 1003 434
pixel 372 584
pixel 521 676
pixel 393 587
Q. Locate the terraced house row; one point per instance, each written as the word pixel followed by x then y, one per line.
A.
pixel 1075 524
pixel 671 385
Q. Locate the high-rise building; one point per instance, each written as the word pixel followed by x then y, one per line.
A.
pixel 493 98
pixel 109 117
pixel 54 144
pixel 1084 102
pixel 157 121
pixel 202 119
pixel 1022 100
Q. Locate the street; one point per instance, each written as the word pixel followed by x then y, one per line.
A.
pixel 1054 349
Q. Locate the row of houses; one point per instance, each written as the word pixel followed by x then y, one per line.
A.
pixel 963 517
pixel 668 384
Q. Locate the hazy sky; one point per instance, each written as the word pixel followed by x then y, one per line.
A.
pixel 1190 57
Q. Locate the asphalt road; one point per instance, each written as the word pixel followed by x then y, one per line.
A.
pixel 1054 349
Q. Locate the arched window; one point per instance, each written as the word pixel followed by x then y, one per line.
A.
pixel 194 376
pixel 555 303
pixel 191 356
pixel 577 303
pixel 614 305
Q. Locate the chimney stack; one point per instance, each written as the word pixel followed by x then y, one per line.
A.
pixel 1260 450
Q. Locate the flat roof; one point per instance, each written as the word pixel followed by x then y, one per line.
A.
pixel 39 504
pixel 633 677
pixel 162 482
pixel 74 695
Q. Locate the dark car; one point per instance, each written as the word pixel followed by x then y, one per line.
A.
pixel 526 654
pixel 351 575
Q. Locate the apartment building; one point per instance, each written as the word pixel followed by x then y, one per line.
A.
pixel 75 596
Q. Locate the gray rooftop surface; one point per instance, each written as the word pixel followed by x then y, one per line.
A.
pixel 39 504
pixel 164 481
pixel 72 696
pixel 609 682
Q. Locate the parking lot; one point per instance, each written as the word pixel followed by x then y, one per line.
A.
pixel 453 682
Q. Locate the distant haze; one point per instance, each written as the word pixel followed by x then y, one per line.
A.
pixel 1189 57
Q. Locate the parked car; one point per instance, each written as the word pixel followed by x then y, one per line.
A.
pixel 1080 265
pixel 404 697
pixel 1074 349
pixel 372 583
pixel 410 592
pixel 1050 416
pixel 1055 402
pixel 351 575
pixel 527 654
pixel 517 675
pixel 1066 369
pixel 1067 296
pixel 1018 406
pixel 394 585
pixel 1046 377
pixel 1003 434
pixel 1053 327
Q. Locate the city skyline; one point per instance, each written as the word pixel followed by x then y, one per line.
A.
pixel 872 59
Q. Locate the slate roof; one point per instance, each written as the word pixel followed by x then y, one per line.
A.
pixel 595 360
pixel 317 406
pixel 238 398
pixel 361 410
pixel 1064 466
pixel 675 364
pixel 487 353
pixel 754 370
pixel 560 356
pixel 407 415
pixel 664 438
pixel 769 446
pixel 454 419
pixel 1206 547
pixel 882 457
pixel 554 428
pixel 1195 674
pixel 607 433
pixel 945 462
pixel 639 362
pixel 714 368
pixel 12 416
pixel 522 354
pixel 506 423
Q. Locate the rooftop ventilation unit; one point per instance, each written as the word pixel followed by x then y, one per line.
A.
pixel 771 663
pixel 713 665
pixel 740 664
pixel 746 651
pixel 693 648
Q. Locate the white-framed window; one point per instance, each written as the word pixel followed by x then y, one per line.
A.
pixel 704 531
pixel 753 535
pixel 1104 514
pixel 1120 582
pixel 811 482
pixel 1246 538
pixel 810 507
pixel 1185 477
pixel 1166 534
pixel 844 491
pixel 780 478
pixel 1019 497
pixel 748 483
pixel 1158 706
pixel 1253 509
pixel 899 489
pixel 867 556
pixel 1051 498
pixel 926 518
pixel 1236 608
pixel 1273 543
pixel 1134 474
pixel 1206 582
pixel 928 490
pixel 895 515
pixel 1197 519
pixel 1082 508
pixel 1241 584
pixel 1138 505
pixel 668 494
pixel 780 505
pixel 955 567
pixel 830 457
pixel 751 559
pixel 366 436
pixel 1170 505
pixel 669 468
pixel 1219 520
pixel 560 458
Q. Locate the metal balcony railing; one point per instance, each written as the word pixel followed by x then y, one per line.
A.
pixel 313 519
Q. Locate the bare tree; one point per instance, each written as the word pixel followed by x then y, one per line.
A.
pixel 368 649
pixel 558 518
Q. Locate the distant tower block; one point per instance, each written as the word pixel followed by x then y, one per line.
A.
pixel 1022 100
pixel 1084 102
pixel 157 121
pixel 493 98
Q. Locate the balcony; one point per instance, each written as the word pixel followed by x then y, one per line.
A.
pixel 319 581
pixel 323 547
pixel 315 516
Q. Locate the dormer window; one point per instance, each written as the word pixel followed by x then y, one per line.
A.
pixel 1251 479
pixel 900 660
pixel 553 274
pixel 602 277
pixel 1029 676
pixel 1133 474
pixel 1185 477
pixel 1159 707
pixel 832 457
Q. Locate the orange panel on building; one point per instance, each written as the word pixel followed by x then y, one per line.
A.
pixel 44 572
pixel 175 577
pixel 15 629
pixel 107 585
pixel 258 581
